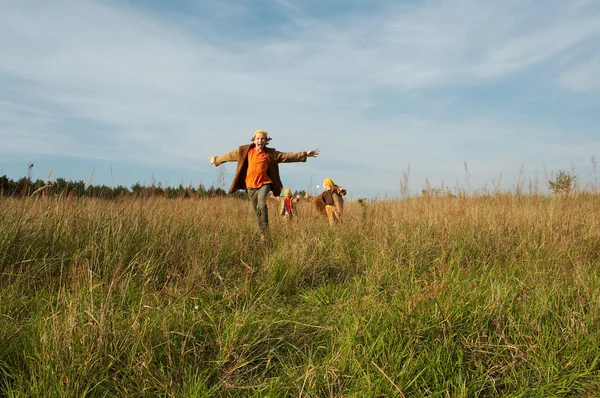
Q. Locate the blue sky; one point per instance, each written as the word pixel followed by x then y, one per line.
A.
pixel 143 90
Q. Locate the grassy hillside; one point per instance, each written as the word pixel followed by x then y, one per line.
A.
pixel 447 296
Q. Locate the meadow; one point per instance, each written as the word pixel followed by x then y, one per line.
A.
pixel 431 296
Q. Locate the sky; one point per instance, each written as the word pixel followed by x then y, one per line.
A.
pixel 456 93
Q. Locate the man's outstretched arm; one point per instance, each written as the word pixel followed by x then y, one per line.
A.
pixel 232 156
pixel 289 157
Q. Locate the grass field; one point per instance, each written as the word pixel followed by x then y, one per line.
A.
pixel 487 296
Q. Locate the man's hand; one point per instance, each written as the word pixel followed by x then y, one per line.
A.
pixel 312 153
pixel 212 159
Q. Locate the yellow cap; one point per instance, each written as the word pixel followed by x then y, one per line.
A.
pixel 261 132
pixel 287 192
pixel 328 181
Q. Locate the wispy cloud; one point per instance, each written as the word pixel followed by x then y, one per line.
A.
pixel 584 76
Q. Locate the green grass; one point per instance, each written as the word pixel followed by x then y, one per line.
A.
pixel 438 297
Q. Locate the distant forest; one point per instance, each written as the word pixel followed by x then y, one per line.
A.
pixel 25 186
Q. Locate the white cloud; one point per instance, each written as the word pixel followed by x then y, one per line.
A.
pixel 582 77
pixel 524 51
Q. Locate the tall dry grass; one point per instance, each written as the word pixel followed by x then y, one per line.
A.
pixel 439 296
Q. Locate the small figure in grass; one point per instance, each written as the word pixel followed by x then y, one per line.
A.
pixel 287 205
pixel 330 203
pixel 258 172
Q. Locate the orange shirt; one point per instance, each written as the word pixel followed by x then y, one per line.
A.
pixel 258 164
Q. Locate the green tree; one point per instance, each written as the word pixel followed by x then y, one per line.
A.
pixel 564 182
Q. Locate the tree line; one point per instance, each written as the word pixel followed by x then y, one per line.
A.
pixel 25 187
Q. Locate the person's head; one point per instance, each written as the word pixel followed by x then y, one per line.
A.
pixel 328 184
pixel 287 193
pixel 260 139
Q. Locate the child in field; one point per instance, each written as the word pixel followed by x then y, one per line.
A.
pixel 258 172
pixel 331 202
pixel 287 206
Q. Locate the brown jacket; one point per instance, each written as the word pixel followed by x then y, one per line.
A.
pixel 240 155
pixel 331 197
